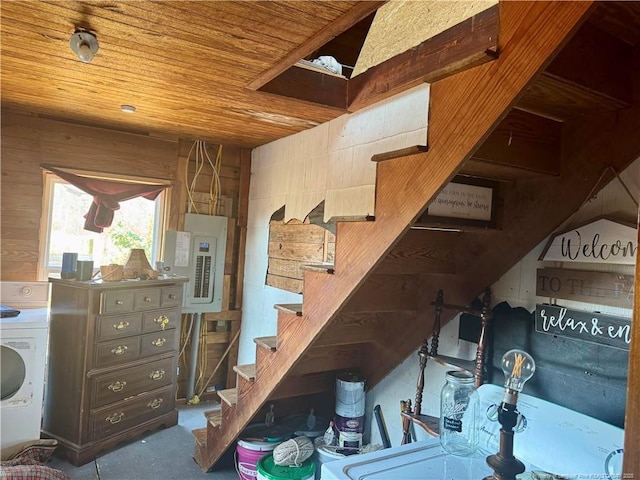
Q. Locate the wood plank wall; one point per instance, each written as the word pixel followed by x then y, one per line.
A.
pixel 29 141
pixel 293 245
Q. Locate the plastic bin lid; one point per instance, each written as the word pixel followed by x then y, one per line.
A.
pixel 268 469
pixel 258 445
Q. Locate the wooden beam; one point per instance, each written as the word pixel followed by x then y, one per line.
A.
pixel 632 421
pixel 310 86
pixel 335 28
pixel 468 44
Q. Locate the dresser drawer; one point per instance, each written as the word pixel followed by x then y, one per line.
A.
pixel 158 342
pixel 146 299
pixel 116 301
pixel 123 383
pixel 118 351
pixel 171 296
pixel 118 326
pixel 115 418
pixel 160 320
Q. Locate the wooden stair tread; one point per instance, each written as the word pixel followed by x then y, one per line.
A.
pixel 429 424
pixel 248 372
pixel 229 396
pixel 353 218
pixel 458 363
pixel 270 343
pixel 214 417
pixel 403 152
pixel 200 435
pixel 294 308
pixel 320 267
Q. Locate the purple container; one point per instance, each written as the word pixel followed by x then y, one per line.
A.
pixel 349 425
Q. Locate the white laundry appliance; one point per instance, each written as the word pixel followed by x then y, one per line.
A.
pixel 23 349
pixel 554 439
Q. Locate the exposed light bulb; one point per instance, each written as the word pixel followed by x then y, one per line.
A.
pixel 84 53
pixel 518 367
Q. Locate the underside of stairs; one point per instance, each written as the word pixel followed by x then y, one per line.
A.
pixel 541 120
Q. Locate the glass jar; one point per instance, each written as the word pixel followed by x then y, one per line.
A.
pixel 459 408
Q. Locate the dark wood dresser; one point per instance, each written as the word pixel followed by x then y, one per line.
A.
pixel 112 371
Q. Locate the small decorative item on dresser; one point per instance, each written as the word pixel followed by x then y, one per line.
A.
pixel 111 273
pixel 136 264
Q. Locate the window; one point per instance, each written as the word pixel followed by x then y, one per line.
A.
pixel 139 223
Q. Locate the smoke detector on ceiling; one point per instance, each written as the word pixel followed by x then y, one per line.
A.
pixel 84 45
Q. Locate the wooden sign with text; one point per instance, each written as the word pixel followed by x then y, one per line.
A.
pixel 601 241
pixel 465 201
pixel 588 326
pixel 603 288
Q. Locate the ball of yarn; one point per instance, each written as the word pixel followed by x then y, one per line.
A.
pixel 293 453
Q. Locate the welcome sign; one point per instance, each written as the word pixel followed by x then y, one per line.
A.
pixel 601 241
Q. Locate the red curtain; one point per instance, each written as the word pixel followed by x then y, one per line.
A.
pixel 106 196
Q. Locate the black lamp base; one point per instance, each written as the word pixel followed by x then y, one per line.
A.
pixel 504 468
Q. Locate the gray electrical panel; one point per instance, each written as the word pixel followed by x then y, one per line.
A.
pixel 199 254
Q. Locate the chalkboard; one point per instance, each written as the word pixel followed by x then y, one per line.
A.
pixel 584 376
pixel 588 326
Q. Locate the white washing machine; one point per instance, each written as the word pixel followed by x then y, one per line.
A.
pixel 555 439
pixel 23 349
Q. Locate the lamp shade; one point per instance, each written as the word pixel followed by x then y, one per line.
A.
pixel 136 264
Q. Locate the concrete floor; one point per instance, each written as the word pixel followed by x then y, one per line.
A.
pixel 162 455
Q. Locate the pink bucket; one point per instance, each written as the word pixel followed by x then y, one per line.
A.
pixel 248 455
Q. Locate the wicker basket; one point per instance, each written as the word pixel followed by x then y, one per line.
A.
pixel 111 273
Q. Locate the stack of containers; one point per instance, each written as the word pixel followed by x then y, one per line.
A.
pixel 350 403
pixel 249 452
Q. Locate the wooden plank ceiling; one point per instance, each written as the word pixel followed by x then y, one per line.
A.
pixel 184 65
pixel 198 69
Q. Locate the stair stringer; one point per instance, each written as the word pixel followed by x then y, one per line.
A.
pixel 464 109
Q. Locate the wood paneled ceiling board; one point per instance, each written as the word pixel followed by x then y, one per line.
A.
pixel 187 65
pixel 184 65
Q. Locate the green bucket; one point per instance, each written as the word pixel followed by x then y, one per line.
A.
pixel 268 470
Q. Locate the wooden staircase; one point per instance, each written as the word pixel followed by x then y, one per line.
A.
pixel 371 309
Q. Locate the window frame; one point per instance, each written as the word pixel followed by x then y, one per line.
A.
pixel 49 179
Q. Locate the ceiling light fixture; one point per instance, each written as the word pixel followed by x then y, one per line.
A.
pixel 128 108
pixel 84 44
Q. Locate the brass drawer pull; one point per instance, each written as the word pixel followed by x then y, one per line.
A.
pixel 162 320
pixel 157 375
pixel 155 403
pixel 119 350
pixel 121 325
pixel 115 417
pixel 117 386
pixel 172 296
pixel 147 299
pixel 159 342
pixel 119 302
